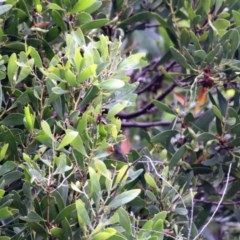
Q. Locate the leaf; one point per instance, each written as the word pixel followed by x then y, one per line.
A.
pixel 164 138
pixel 5 238
pixel 33 217
pixel 217 112
pixel 39 229
pixel 12 69
pixel 46 129
pixel 5 8
pixel 181 211
pixel 140 16
pixel 67 139
pixel 125 222
pixel 94 24
pixel 150 181
pixel 82 5
pixel 95 188
pixel 77 144
pixel 59 90
pixel 164 107
pixel 177 156
pixel 132 62
pixel 124 198
pixel 35 55
pixel 7 167
pixel 86 73
pixel 89 96
pixel 3 152
pixel 66 213
pixel 223 103
pixel 105 234
pixel 179 58
pixel 117 108
pixel 14 119
pixel 236 17
pixel 54 6
pixel 221 23
pixel 112 84
pixel 82 214
pixel 5 213
pixel 29 119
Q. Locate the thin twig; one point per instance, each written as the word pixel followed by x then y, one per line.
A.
pixel 146 108
pixel 158 77
pixel 232 203
pixel 218 205
pixel 132 124
pixel 191 215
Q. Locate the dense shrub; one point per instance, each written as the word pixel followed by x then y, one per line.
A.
pixel 73 162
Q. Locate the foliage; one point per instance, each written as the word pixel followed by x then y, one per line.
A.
pixel 73 75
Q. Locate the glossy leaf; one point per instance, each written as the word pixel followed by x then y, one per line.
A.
pixel 82 5
pixel 67 139
pixel 124 198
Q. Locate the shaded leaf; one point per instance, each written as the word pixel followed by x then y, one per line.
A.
pixel 124 198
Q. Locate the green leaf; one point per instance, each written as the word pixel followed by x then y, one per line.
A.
pixel 46 129
pixel 164 138
pixel 177 156
pixel 236 17
pixel 124 198
pixel 57 232
pixel 105 234
pixel 86 73
pixel 179 58
pixel 70 77
pixel 13 119
pixel 4 213
pixel 78 145
pixel 33 217
pixel 39 229
pixel 66 213
pixel 132 62
pixel 59 91
pixel 94 24
pixel 54 6
pixel 89 96
pixel 7 167
pixel 95 188
pixel 124 221
pixel 82 5
pixel 5 238
pixel 117 108
pixel 12 69
pixel 29 119
pixel 35 55
pixel 112 84
pixel 67 139
pixel 5 8
pixel 58 19
pixel 164 107
pixel 221 23
pixel 140 16
pixel 181 211
pixel 217 112
pixel 82 215
pixel 150 181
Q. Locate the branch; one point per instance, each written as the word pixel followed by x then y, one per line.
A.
pixel 156 79
pixel 146 108
pixel 132 124
pixel 231 203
